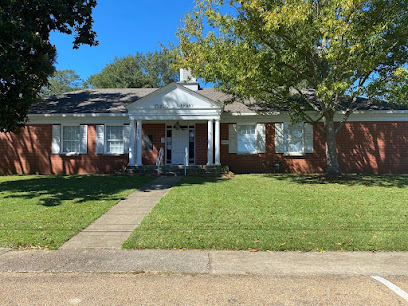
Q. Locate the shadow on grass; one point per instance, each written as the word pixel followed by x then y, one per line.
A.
pixel 399 181
pixel 199 180
pixel 53 190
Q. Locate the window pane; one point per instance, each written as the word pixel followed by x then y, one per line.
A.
pixel 114 139
pixel 246 139
pixel 115 133
pixel 115 147
pixel 71 139
pixel 71 133
pixel 294 138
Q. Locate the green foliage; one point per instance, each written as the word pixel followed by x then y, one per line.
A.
pixel 27 55
pixel 63 81
pixel 271 50
pixel 280 212
pixel 151 70
pixel 45 211
pixel 393 87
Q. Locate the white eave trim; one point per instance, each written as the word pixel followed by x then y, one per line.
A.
pixel 86 118
pixel 370 115
pixel 377 112
pixel 76 115
pixel 363 115
pixel 365 112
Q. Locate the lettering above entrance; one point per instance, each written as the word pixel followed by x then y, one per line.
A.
pixel 177 105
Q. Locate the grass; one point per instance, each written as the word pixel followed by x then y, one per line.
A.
pixel 45 211
pixel 282 212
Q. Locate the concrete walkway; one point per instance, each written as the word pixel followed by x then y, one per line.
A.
pixel 115 226
pixel 207 262
pixel 4 250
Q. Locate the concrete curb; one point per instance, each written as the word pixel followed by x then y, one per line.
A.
pixel 207 262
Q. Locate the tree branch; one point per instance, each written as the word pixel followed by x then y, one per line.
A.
pixel 294 69
pixel 349 111
pixel 315 122
pixel 307 100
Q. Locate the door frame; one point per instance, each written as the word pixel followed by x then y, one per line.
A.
pixel 170 127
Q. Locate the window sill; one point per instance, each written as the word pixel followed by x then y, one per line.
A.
pixel 69 154
pixel 113 154
pixel 294 154
pixel 246 154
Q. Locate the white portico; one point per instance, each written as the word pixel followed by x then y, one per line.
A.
pixel 179 107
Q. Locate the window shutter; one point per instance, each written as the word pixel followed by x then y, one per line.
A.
pixel 260 138
pixel 308 138
pixel 100 139
pixel 56 139
pixel 232 138
pixel 84 139
pixel 126 138
pixel 279 138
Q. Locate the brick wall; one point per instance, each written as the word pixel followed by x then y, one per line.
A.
pixel 30 152
pixel 201 137
pixel 373 147
pixel 364 147
pixel 158 131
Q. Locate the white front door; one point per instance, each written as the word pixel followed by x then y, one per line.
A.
pixel 179 144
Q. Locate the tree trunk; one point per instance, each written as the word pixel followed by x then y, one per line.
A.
pixel 333 168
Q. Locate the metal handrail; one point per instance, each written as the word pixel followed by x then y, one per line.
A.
pixel 186 158
pixel 159 160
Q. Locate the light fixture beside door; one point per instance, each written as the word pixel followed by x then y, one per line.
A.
pixel 177 126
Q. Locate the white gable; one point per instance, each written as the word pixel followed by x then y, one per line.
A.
pixel 174 102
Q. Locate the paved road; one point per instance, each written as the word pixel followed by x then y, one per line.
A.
pixel 193 289
pixel 117 277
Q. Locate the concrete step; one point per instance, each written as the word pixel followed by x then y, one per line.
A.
pixel 177 170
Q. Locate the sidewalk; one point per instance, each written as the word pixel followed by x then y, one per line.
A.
pixel 207 262
pixel 115 226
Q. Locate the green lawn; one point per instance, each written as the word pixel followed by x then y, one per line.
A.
pixel 282 212
pixel 45 211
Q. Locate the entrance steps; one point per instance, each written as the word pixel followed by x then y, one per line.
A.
pixel 177 170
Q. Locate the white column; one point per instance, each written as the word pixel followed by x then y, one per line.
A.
pixel 210 143
pixel 217 143
pixel 132 148
pixel 139 143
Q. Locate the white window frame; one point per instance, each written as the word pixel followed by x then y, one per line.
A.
pixel 62 152
pixel 106 152
pixel 255 140
pixel 285 140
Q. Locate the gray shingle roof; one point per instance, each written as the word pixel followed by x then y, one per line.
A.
pixel 116 100
pixel 250 106
pixel 91 101
pixel 230 107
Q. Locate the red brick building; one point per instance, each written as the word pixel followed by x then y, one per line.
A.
pixel 105 130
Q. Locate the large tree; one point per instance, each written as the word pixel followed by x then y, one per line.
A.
pixel 63 81
pixel 271 50
pixel 152 69
pixel 26 53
